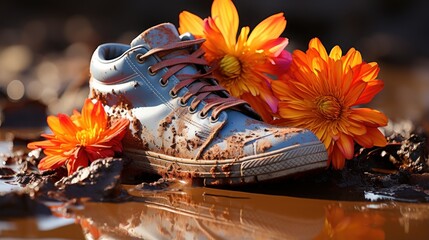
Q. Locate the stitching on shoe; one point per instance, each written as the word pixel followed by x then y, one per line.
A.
pixel 149 84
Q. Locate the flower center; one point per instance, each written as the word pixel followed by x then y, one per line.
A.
pixel 230 66
pixel 329 107
pixel 88 136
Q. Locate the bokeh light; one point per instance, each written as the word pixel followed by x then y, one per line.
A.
pixel 15 90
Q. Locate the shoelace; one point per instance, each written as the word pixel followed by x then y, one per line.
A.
pixel 200 85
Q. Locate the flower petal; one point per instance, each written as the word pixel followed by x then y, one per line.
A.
pixel 373 137
pixel 368 117
pixel 275 47
pixel 242 39
pixel 215 44
pixel 279 64
pixel 372 88
pixel 189 22
pixel 366 72
pixel 97 153
pixel 317 44
pixel 351 59
pixel 41 144
pixel 51 162
pixel 269 29
pixel 67 125
pixel 259 105
pixel 86 114
pixel 354 92
pixel 337 159
pixel 98 116
pixel 355 128
pixel 377 137
pixel 364 141
pixel 117 129
pixel 336 53
pixel 225 15
pixel 80 160
pixel 54 125
pixel 346 145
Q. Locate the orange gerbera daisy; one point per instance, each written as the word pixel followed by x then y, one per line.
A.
pixel 244 66
pixel 80 139
pixel 320 92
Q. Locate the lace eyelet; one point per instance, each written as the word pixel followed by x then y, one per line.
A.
pixel 162 83
pixel 149 70
pixel 213 120
pixel 181 103
pixel 191 110
pixel 172 94
pixel 202 116
pixel 139 58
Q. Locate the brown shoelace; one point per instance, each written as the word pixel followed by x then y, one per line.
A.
pixel 200 85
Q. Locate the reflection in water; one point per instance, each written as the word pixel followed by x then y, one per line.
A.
pixel 342 223
pixel 410 214
pixel 184 212
pixel 47 227
pixel 202 213
pixel 199 214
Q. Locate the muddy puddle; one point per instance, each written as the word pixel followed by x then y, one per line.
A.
pixel 178 210
pixel 203 213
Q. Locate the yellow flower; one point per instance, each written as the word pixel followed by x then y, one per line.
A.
pixel 80 139
pixel 244 66
pixel 320 92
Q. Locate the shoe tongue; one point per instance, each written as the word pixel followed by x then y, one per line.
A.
pixel 157 36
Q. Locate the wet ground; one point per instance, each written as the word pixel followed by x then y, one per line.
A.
pixel 183 212
pixel 172 209
pixel 200 213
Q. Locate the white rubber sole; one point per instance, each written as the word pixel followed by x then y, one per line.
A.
pixel 267 166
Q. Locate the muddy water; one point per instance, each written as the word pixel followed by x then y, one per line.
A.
pixel 183 212
pixel 186 212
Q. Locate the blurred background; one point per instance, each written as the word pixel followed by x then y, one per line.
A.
pixel 45 46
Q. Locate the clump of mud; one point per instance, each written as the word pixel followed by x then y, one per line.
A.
pixel 98 182
pixel 400 170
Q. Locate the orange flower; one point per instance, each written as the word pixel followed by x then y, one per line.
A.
pixel 244 66
pixel 80 139
pixel 320 91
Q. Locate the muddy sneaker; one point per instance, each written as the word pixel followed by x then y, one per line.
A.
pixel 183 123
